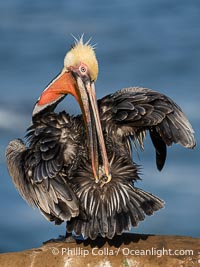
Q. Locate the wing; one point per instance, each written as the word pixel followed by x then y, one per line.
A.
pixel 40 171
pixel 132 111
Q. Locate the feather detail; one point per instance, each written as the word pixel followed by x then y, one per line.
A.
pixel 113 208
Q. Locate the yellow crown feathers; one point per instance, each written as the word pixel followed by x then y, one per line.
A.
pixel 82 53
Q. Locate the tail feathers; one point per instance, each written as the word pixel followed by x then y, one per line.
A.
pixel 112 209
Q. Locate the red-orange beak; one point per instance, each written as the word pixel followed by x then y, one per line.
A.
pixel 84 92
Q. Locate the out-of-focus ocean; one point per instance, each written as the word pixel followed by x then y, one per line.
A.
pixel 154 44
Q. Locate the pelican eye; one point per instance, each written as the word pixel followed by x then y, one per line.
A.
pixel 82 69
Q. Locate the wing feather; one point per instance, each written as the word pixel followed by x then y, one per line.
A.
pixel 37 170
pixel 132 111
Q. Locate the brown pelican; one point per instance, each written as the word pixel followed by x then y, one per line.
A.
pixel 80 169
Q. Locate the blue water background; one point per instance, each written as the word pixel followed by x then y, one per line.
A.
pixel 154 44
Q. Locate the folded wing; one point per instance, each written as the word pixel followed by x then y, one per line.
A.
pixel 40 170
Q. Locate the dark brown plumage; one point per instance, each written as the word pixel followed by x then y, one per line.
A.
pixel 54 170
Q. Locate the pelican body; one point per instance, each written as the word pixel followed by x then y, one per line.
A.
pixel 80 169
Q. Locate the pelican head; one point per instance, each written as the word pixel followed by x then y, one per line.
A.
pixel 77 78
pixel 82 54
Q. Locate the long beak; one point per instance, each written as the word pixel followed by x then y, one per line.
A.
pixel 90 109
pixel 84 92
